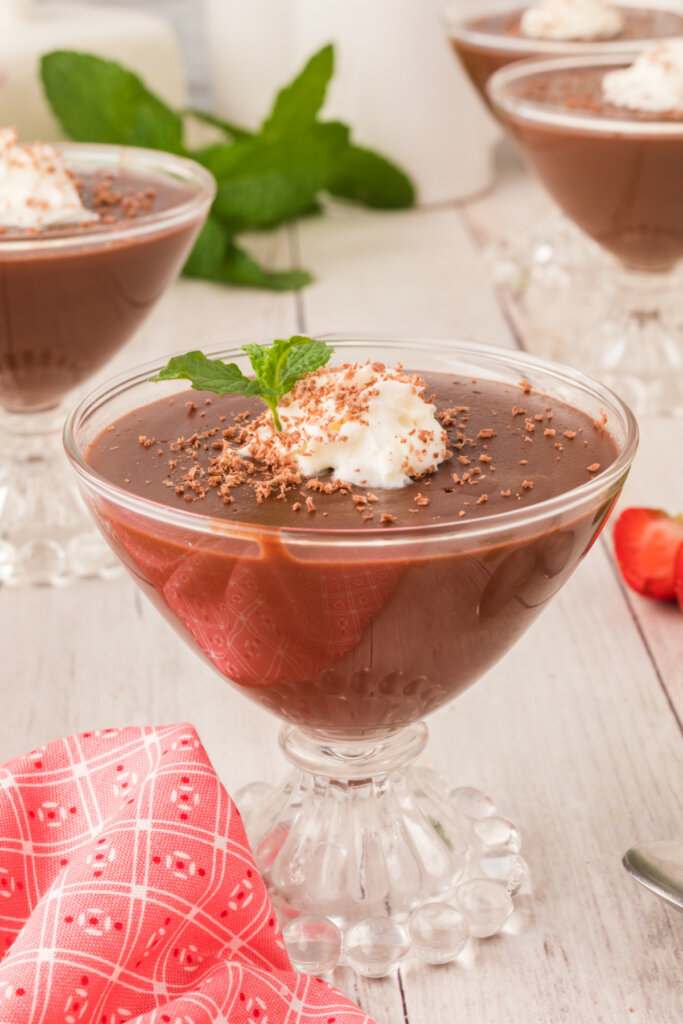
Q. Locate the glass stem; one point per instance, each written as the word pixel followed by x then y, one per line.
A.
pixel 638 348
pixel 352 759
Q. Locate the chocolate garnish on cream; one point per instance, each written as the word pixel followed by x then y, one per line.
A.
pixel 367 423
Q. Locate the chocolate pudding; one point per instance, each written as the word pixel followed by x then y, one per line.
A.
pixel 366 630
pixel 616 172
pixel 491 41
pixel 71 296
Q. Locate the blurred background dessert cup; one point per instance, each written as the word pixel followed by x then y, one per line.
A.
pixel 605 138
pixel 81 266
pixel 542 265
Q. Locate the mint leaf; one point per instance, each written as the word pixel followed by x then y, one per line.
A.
pixel 308 355
pixel 264 182
pixel 297 105
pixel 209 252
pixel 264 179
pixel 366 177
pixel 259 357
pixel 208 375
pixel 98 100
pixel 215 257
pixel 231 129
pixel 277 368
pixel 241 268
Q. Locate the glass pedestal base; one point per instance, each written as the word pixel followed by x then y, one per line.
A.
pixel 574 303
pixel 551 262
pixel 360 839
pixel 46 535
pixel 638 347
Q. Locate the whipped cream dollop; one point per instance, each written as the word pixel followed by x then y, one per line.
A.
pixel 367 423
pixel 654 82
pixel 36 190
pixel 572 20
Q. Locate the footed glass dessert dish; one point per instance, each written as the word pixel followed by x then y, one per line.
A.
pixel 353 613
pixel 616 171
pixel 535 267
pixel 488 36
pixel 71 296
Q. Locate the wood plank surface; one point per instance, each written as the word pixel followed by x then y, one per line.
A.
pixel 574 733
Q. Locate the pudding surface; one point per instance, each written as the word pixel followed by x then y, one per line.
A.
pixel 510 447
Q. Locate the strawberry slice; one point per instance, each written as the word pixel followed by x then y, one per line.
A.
pixel 646 542
pixel 678 576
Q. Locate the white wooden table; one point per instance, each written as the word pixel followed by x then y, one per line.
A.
pixel 576 734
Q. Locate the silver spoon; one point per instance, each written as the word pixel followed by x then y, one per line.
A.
pixel 659 867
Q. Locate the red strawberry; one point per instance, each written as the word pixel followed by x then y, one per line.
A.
pixel 678 576
pixel 646 542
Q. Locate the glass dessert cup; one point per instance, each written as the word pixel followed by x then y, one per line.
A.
pixel 347 636
pixel 617 175
pixel 486 37
pixel 552 254
pixel 70 298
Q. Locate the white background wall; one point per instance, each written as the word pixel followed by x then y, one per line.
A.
pixel 186 16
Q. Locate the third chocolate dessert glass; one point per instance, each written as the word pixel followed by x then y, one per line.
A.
pixel 618 174
pixel 541 261
pixel 70 297
pixel 353 616
pixel 486 38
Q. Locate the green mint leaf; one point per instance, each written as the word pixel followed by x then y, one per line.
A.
pixel 307 356
pixel 242 269
pixel 264 182
pixel 297 105
pixel 98 100
pixel 268 363
pixel 208 375
pixel 277 368
pixel 264 179
pixel 215 257
pixel 235 131
pixel 259 357
pixel 209 252
pixel 366 177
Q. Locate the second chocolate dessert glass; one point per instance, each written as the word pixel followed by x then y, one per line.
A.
pixel 618 174
pixel 352 636
pixel 487 38
pixel 539 263
pixel 69 299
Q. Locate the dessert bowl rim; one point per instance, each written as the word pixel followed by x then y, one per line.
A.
pixel 93 156
pixel 490 528
pixel 542 114
pixel 456 25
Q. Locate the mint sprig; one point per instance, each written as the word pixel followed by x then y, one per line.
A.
pixel 276 367
pixel 265 177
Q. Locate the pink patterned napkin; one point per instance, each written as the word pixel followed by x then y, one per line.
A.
pixel 129 894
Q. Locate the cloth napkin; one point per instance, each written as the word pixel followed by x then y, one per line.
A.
pixel 129 894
